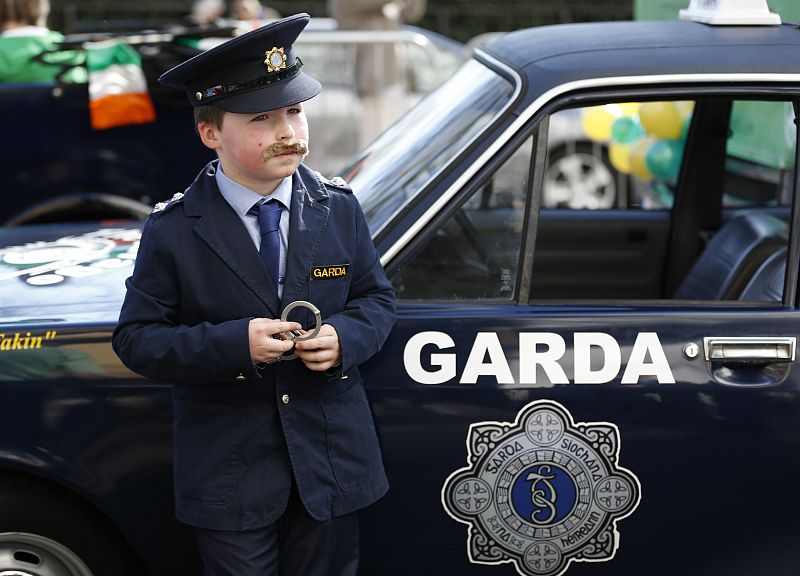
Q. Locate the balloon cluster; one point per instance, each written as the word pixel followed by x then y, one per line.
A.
pixel 644 139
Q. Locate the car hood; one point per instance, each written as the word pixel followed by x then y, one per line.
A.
pixel 65 273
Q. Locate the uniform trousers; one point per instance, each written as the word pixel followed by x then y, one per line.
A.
pixel 295 545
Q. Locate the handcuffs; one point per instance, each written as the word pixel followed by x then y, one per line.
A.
pixel 296 335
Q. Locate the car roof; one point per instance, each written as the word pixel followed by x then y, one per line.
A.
pixel 549 56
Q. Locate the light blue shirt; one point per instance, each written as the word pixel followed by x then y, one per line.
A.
pixel 242 199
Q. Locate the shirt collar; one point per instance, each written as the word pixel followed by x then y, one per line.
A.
pixel 241 198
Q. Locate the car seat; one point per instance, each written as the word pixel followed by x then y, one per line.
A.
pixel 732 257
pixel 766 285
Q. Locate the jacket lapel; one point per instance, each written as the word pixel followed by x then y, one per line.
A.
pixel 220 227
pixel 307 220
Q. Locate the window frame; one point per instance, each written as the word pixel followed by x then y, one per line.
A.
pixel 739 91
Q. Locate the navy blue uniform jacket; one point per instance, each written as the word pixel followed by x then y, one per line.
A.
pixel 240 432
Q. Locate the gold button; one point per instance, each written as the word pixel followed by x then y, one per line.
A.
pixel 241 377
pixel 285 398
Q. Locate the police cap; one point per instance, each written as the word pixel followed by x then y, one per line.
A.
pixel 252 73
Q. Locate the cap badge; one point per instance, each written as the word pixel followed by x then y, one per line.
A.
pixel 276 59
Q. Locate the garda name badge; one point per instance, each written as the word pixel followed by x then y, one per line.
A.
pixel 330 272
pixel 541 492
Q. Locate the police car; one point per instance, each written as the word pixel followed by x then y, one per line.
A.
pixel 609 391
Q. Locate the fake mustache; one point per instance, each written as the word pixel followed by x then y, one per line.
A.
pixel 278 148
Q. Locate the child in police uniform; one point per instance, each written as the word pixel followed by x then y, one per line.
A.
pixel 272 458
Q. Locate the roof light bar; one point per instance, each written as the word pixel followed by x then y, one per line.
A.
pixel 731 13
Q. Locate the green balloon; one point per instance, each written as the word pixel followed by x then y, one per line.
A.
pixel 626 129
pixel 685 128
pixel 663 159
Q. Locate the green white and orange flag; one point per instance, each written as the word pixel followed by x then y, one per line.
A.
pixel 117 87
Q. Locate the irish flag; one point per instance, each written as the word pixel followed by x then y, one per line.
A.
pixel 117 86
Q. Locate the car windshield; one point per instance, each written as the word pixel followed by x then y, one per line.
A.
pixel 392 170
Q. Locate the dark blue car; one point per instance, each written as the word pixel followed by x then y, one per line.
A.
pixel 598 390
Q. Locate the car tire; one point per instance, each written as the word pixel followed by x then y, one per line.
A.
pixel 48 531
pixel 580 176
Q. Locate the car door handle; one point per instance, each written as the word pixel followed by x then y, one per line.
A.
pixel 767 349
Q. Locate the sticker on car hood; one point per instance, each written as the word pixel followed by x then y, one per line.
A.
pixel 541 492
pixel 48 263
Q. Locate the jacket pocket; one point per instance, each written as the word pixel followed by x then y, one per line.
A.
pixel 208 445
pixel 330 296
pixel 352 444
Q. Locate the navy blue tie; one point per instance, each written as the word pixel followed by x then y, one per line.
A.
pixel 269 217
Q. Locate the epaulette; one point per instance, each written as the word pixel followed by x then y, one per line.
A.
pixel 176 199
pixel 335 182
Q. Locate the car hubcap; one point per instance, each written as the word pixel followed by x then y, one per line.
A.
pixel 23 554
pixel 579 181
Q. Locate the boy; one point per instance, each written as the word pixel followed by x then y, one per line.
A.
pixel 272 458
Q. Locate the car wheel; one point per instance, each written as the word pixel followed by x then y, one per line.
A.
pixel 24 554
pixel 49 532
pixel 580 177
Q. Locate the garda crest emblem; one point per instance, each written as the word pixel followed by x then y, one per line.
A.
pixel 541 492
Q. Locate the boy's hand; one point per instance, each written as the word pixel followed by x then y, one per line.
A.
pixel 321 352
pixel 265 348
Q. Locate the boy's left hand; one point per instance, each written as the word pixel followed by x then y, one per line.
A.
pixel 321 352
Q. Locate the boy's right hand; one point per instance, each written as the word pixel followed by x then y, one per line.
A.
pixel 263 346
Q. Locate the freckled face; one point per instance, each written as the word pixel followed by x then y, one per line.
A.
pixel 242 139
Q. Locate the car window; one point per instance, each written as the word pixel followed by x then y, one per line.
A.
pixel 760 154
pixel 615 155
pixel 475 253
pixel 579 173
pixel 396 166
pixel 612 177
pixel 628 154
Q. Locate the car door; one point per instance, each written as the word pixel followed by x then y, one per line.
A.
pixel 540 405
